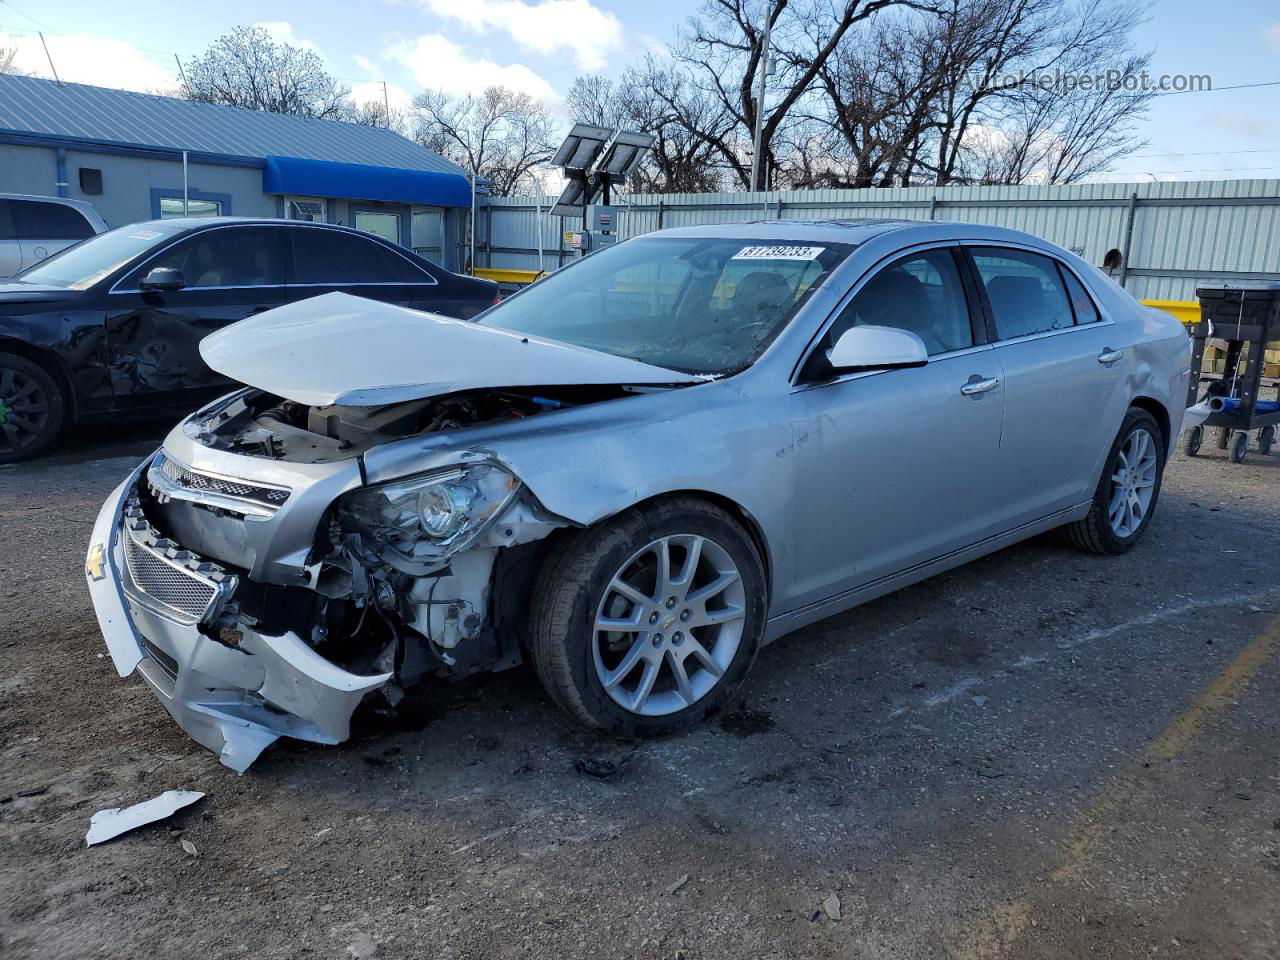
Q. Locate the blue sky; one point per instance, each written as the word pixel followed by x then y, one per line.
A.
pixel 540 45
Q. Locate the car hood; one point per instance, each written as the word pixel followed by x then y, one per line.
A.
pixel 340 349
pixel 15 292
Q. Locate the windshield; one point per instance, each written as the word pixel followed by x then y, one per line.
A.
pixel 693 304
pixel 81 266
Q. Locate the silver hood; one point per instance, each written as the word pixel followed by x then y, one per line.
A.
pixel 340 349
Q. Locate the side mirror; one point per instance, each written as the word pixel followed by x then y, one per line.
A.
pixel 877 348
pixel 163 278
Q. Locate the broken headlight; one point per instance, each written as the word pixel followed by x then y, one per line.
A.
pixel 436 514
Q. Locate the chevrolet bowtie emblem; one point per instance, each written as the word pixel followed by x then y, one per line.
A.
pixel 95 565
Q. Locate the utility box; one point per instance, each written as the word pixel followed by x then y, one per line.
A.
pixel 602 218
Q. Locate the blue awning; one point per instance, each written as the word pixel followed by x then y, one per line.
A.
pixel 356 181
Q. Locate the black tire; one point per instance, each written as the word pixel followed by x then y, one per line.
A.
pixel 1194 439
pixel 1224 437
pixel 32 409
pixel 1239 446
pixel 1094 533
pixel 1266 439
pixel 572 585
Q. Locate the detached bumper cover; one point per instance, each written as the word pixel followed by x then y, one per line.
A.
pixel 151 601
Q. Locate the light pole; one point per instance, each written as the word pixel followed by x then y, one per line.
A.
pixel 756 163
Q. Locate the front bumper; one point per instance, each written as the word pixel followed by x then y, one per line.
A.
pixel 153 606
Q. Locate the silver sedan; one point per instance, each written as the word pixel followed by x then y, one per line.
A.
pixel 633 473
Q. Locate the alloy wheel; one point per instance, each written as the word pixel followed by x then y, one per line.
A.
pixel 1132 483
pixel 668 625
pixel 24 410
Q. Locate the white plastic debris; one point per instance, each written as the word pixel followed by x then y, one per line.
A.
pixel 107 824
pixel 1195 415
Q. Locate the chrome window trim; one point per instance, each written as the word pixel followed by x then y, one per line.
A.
pixel 431 281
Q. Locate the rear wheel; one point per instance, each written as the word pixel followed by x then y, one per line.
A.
pixel 644 625
pixel 1239 446
pixel 31 408
pixel 1194 439
pixel 1127 491
pixel 1266 438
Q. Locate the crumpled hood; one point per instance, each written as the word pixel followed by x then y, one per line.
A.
pixel 340 349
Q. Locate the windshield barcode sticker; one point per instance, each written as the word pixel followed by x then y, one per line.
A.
pixel 778 253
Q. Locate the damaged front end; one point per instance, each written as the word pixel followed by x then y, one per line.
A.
pixel 262 589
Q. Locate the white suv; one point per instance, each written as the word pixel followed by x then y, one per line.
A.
pixel 33 228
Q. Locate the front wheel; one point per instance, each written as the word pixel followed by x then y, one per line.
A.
pixel 645 624
pixel 1128 490
pixel 31 409
pixel 1195 437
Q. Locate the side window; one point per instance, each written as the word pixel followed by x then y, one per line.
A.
pixel 225 257
pixel 333 257
pixel 920 293
pixel 1082 304
pixel 1025 291
pixel 33 220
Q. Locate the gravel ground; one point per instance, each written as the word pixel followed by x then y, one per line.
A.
pixel 1043 754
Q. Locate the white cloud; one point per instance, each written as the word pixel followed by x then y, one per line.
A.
pixel 282 32
pixel 546 27
pixel 101 61
pixel 437 63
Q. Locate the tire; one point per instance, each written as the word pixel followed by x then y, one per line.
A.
pixel 1224 437
pixel 1194 439
pixel 574 659
pixel 32 409
pixel 1266 439
pixel 1097 532
pixel 1239 446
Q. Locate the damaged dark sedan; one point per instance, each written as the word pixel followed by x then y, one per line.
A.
pixel 632 474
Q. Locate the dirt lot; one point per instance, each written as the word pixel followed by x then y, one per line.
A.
pixel 1043 754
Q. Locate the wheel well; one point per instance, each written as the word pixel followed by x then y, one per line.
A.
pixel 50 364
pixel 735 510
pixel 1157 410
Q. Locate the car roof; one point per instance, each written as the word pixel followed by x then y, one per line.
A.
pixel 857 231
pixel 193 223
pixel 36 198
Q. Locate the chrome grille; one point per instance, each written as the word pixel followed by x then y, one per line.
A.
pixel 193 480
pixel 172 591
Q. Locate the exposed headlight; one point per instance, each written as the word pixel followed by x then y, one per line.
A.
pixel 432 515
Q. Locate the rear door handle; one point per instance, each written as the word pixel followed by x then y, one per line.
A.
pixel 1109 356
pixel 975 387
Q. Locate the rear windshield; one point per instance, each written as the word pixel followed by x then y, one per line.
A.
pixel 697 305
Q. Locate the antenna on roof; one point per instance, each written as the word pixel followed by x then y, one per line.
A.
pixel 47 54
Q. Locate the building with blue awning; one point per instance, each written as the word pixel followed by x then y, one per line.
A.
pixel 123 152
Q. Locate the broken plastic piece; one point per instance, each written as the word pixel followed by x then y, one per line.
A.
pixel 108 824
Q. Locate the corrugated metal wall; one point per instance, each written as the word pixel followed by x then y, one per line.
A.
pixel 1176 233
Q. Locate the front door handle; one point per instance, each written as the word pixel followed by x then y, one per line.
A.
pixel 976 387
pixel 1109 356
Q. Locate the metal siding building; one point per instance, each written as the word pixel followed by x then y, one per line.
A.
pixel 239 162
pixel 1171 235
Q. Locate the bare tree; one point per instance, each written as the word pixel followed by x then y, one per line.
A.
pixel 501 135
pixel 373 113
pixel 723 50
pixel 249 68
pixel 8 60
pixel 659 99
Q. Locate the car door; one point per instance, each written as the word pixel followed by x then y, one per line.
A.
pixel 894 467
pixel 1065 375
pixel 229 272
pixel 43 228
pixel 328 260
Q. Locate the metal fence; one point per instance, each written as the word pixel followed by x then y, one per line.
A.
pixel 1170 235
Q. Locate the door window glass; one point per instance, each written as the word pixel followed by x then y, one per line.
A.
pixel 227 257
pixel 922 294
pixel 171 207
pixel 332 257
pixel 34 220
pixel 1025 291
pixel 1086 310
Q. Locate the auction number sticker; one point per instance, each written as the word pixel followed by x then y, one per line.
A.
pixel 778 253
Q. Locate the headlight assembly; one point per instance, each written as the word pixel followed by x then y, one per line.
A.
pixel 433 515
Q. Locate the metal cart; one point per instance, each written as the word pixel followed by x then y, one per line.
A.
pixel 1247 317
